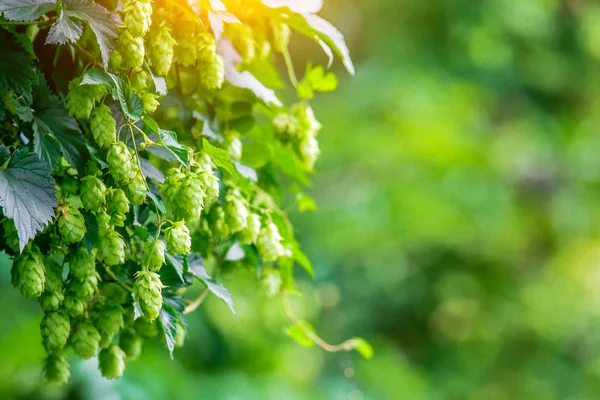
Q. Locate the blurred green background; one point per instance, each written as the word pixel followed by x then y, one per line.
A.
pixel 458 227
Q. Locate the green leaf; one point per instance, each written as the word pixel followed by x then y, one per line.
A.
pixel 169 319
pixel 196 267
pixel 102 22
pixel 131 105
pixel 51 119
pixel 300 331
pixel 220 157
pixel 303 261
pixel 27 193
pixel 47 147
pixel 324 33
pixel 168 139
pixel 157 202
pixel 316 80
pixel 64 30
pixel 25 10
pixel 246 80
pixel 91 234
pixel 362 346
pixel 16 64
pixel 287 162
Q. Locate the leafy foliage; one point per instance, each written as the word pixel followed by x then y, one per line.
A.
pixel 137 161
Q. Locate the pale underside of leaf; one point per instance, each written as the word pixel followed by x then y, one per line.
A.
pixel 25 10
pixel 64 30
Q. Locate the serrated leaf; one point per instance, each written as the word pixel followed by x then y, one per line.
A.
pixel 131 105
pixel 300 332
pixel 316 80
pixel 64 30
pixel 169 318
pixel 16 64
pixel 220 157
pixel 174 276
pixel 102 22
pixel 196 267
pixel 160 84
pixel 246 80
pixel 27 193
pixel 25 10
pixel 322 32
pixel 150 171
pixel 362 346
pixel 157 202
pixel 168 139
pixel 46 146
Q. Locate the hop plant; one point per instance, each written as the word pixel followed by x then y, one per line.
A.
pixel 154 254
pixel 236 211
pixel 120 163
pixel 29 274
pixel 103 126
pixel 131 345
pixel 109 321
pixel 219 226
pixel 74 306
pixel 270 282
pixel 150 102
pixel 118 204
pixel 269 243
pixel 111 362
pixel 234 146
pixel 212 73
pixel 69 185
pixel 211 185
pixel 71 225
pixel 112 248
pixel 132 49
pixel 178 238
pixel 55 328
pixel 56 367
pixel 141 80
pixel 85 288
pixel 160 50
pixel 249 234
pixel 138 16
pixel 147 291
pixel 78 103
pixel 85 339
pixel 52 297
pixel 93 193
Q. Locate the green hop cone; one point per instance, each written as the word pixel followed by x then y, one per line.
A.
pixel 236 211
pixel 77 103
pixel 109 321
pixel 51 301
pixel 132 49
pixel 74 306
pixel 178 238
pixel 270 282
pixel 117 201
pixel 146 328
pixel 279 35
pixel 93 193
pixel 71 225
pixel 234 146
pixel 147 290
pixel 136 189
pixel 28 273
pixel 84 340
pixel 111 249
pixel 138 16
pixel 55 327
pixel 104 224
pixel 160 50
pixel 131 344
pixel 115 60
pixel 212 74
pixel 141 80
pixel 85 288
pixel 103 126
pixel 154 255
pixel 170 188
pixel 269 243
pixel 52 297
pixel 111 362
pixel 249 234
pixel 218 223
pixel 190 200
pixel 150 101
pixel 120 163
pixel 56 368
pixel 309 151
pixel 211 185
pixel 82 263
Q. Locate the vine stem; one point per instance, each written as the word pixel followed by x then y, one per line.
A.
pixel 290 67
pixel 116 278
pixel 344 346
pixel 193 305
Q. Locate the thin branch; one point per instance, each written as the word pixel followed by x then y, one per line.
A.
pixel 290 67
pixel 193 305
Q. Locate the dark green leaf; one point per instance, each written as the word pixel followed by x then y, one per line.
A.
pixel 220 157
pixel 169 319
pixel 25 10
pixel 27 193
pixel 131 104
pixel 168 139
pixel 196 267
pixel 91 235
pixel 157 202
pixel 46 146
pixel 16 64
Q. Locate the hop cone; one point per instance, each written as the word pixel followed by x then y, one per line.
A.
pixel 249 234
pixel 92 193
pixel 270 282
pixel 111 362
pixel 55 329
pixel 131 344
pixel 138 16
pixel 74 306
pixel 136 189
pixel 109 321
pixel 154 255
pixel 103 126
pixel 82 263
pixel 51 301
pixel 120 163
pixel 104 224
pixel 178 238
pixel 132 49
pixel 212 73
pixel 84 340
pixel 85 288
pixel 236 211
pixel 146 328
pixel 190 200
pixel 56 368
pixel 53 296
pixel 309 152
pixel 170 188
pixel 115 60
pixel 112 248
pixel 141 80
pixel 211 185
pixel 160 50
pixel 71 225
pixel 147 291
pixel 77 102
pixel 234 146
pixel 69 185
pixel 150 102
pixel 218 223
pixel 29 274
pixel 117 201
pixel 269 243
